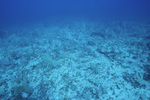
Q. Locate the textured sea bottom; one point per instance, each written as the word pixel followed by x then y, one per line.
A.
pixel 78 61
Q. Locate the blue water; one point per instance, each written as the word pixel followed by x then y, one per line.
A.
pixel 74 50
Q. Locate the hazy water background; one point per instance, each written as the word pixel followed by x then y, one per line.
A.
pixel 31 10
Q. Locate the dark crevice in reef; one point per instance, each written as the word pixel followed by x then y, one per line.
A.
pixel 111 54
pixel 130 78
pixel 99 34
pixel 147 37
pixel 146 75
pixel 148 45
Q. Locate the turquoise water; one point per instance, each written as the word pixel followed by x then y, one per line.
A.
pixel 83 50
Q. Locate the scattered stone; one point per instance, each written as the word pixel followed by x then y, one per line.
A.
pixel 56 64
pixel 5 62
pixel 74 68
pixel 93 91
pixel 91 43
pixel 25 95
pixel 102 90
pixel 100 51
pixel 134 57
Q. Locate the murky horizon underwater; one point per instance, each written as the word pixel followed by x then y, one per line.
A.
pixel 74 56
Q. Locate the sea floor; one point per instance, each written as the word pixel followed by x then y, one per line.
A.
pixel 77 61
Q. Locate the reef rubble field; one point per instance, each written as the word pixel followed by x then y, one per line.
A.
pixel 76 61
